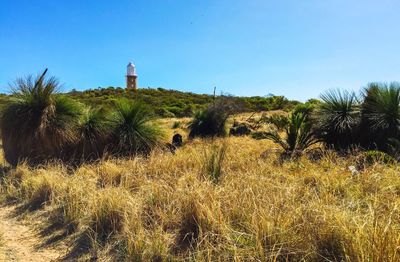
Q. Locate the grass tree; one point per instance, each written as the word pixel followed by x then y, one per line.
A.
pixel 381 115
pixel 38 124
pixel 94 133
pixel 133 132
pixel 338 119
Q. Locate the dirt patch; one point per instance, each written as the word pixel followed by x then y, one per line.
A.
pixel 21 242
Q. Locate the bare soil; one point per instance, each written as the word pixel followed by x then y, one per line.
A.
pixel 20 241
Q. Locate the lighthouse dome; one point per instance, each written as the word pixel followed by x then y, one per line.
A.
pixel 131 69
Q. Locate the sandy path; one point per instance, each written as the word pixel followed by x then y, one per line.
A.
pixel 19 241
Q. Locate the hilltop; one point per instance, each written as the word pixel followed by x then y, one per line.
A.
pixel 172 103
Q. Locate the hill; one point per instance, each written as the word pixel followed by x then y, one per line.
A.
pixel 172 103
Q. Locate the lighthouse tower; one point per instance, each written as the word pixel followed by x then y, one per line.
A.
pixel 131 77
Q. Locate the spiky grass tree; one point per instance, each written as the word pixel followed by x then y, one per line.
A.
pixel 94 133
pixel 209 122
pixel 338 119
pixel 38 123
pixel 298 135
pixel 381 115
pixel 133 133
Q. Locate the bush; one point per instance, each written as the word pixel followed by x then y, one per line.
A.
pixel 133 133
pixel 298 135
pixel 38 124
pixel 210 122
pixel 279 121
pixel 307 108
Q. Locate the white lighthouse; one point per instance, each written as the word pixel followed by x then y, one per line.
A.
pixel 131 77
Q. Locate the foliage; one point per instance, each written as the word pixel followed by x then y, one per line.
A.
pixel 93 134
pixel 209 122
pixel 374 156
pixel 277 120
pixel 307 108
pixel 338 119
pixel 38 123
pixel 172 103
pixel 298 134
pixel 133 131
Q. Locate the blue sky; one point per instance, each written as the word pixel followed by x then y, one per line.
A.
pixel 289 47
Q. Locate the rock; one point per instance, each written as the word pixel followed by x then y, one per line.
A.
pixel 353 170
pixel 240 129
pixel 177 140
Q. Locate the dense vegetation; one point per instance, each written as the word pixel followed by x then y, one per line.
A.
pixel 171 103
pixel 39 125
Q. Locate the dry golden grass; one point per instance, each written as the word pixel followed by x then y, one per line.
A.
pixel 165 207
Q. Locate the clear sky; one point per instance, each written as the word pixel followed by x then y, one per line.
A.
pixel 296 48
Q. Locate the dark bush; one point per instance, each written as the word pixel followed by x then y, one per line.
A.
pixel 210 122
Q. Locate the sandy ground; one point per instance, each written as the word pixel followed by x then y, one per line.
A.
pixel 20 242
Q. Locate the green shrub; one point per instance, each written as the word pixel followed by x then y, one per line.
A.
pixel 298 135
pixel 210 122
pixel 306 108
pixel 279 121
pixel 374 156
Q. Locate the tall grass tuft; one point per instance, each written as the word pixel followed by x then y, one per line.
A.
pixel 38 123
pixel 213 162
pixel 133 132
pixel 107 216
